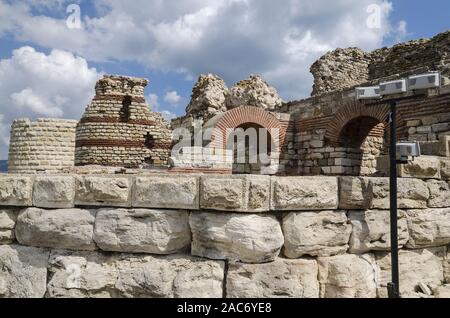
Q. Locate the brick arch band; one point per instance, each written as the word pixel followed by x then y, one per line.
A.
pixel 351 111
pixel 236 117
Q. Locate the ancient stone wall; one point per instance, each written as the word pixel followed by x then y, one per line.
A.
pixel 346 68
pixel 44 145
pixel 219 236
pixel 118 128
pixel 340 69
pixel 326 144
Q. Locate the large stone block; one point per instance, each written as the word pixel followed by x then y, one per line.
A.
pixel 423 167
pixel 65 228
pixel 354 193
pixel 416 266
pixel 173 192
pixel 347 276
pixel 91 274
pixel 439 194
pixel 16 190
pixel 248 238
pixel 371 231
pixel 304 193
pixel 412 193
pixel 323 233
pixel 23 271
pixel 8 219
pixel 103 191
pixel 142 231
pixel 428 228
pixel 281 278
pixel 250 193
pixel 442 292
pixel 56 192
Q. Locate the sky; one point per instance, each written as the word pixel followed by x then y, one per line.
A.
pixel 53 51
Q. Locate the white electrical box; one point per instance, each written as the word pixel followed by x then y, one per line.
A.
pixel 368 92
pixel 406 149
pixel 393 87
pixel 424 81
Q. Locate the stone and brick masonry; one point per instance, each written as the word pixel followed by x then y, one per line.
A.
pixel 118 128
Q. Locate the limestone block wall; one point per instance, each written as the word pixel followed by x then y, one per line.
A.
pixel 43 145
pixel 219 236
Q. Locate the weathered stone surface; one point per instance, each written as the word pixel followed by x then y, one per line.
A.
pixel 82 275
pixel 315 233
pixel 347 276
pixel 54 192
pixel 63 228
pixel 447 267
pixel 304 193
pixel 429 227
pixel 133 276
pixel 235 193
pixel 103 191
pixel 208 96
pixel 354 193
pixel 281 278
pixel 23 271
pixel 442 291
pixel 439 194
pixel 339 69
pixel 258 193
pixel 423 167
pixel 222 193
pixel 412 193
pixel 416 266
pixel 8 219
pixel 174 192
pixel 371 231
pixel 253 91
pixel 445 169
pixel 16 190
pixel 142 231
pixel 247 238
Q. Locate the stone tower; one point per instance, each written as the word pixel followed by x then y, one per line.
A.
pixel 45 145
pixel 118 128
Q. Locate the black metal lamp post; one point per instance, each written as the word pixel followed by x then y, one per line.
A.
pixel 394 286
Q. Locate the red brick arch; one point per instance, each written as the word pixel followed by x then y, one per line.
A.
pixel 243 115
pixel 351 111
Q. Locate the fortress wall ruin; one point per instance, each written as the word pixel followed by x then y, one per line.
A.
pixel 119 129
pixel 177 235
pixel 322 123
pixel 346 68
pixel 44 145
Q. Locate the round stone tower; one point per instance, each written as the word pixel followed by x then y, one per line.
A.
pixel 46 145
pixel 118 128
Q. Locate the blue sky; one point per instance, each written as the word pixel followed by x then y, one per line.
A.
pixel 49 70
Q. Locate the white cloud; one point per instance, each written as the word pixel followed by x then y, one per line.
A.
pixel 153 100
pixel 234 38
pixel 28 99
pixel 172 98
pixel 4 131
pixel 401 31
pixel 33 84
